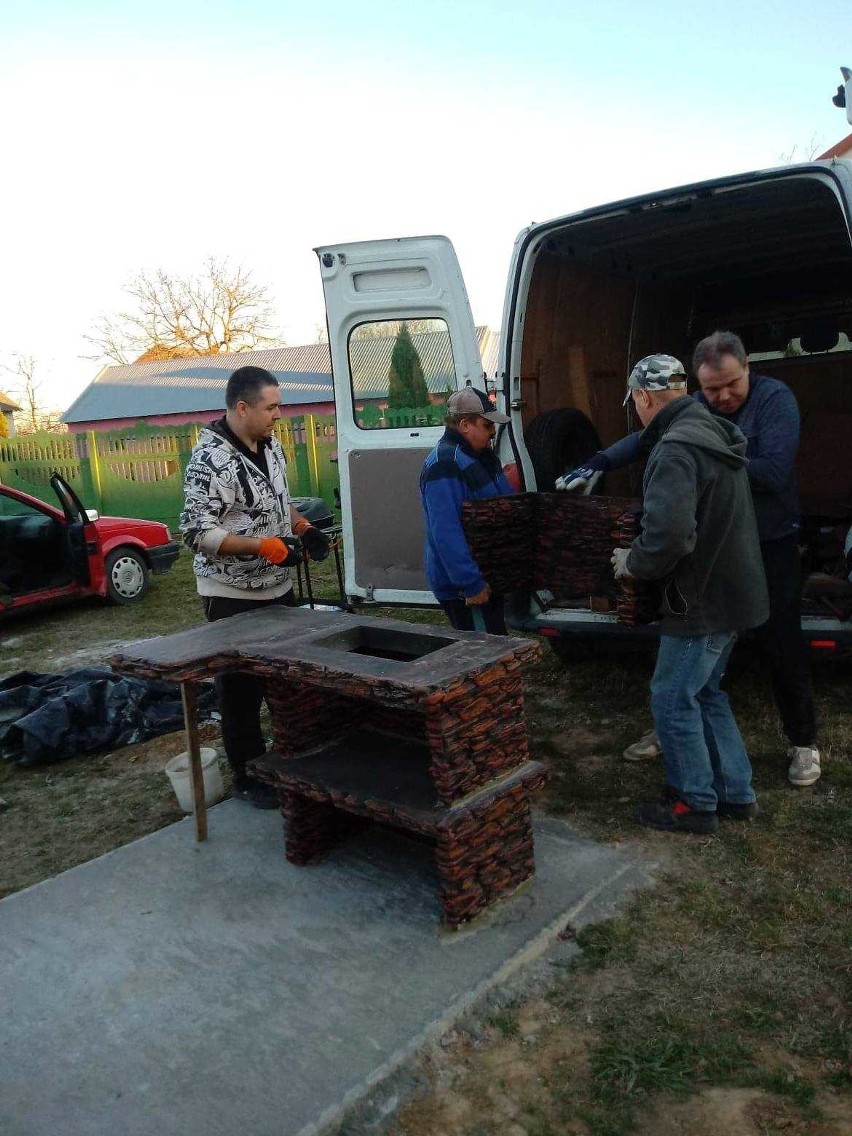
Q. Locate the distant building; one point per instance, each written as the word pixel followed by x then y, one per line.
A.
pixel 171 392
pixel 843 149
pixel 8 408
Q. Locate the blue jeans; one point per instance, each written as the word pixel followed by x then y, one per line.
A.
pixel 705 758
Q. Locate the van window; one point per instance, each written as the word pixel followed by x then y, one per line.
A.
pixel 401 373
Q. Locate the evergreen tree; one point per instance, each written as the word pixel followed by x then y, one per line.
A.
pixel 406 385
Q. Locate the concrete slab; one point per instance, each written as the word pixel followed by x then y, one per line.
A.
pixel 179 989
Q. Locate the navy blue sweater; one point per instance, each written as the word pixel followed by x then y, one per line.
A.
pixel 769 418
pixel 452 474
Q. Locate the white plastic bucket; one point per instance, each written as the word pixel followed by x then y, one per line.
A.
pixel 178 773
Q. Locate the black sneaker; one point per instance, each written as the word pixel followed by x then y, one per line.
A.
pixel 677 816
pixel 256 793
pixel 734 811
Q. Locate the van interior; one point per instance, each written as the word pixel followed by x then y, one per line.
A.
pixel 767 256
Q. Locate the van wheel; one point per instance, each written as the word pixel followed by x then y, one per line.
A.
pixel 572 649
pixel 559 440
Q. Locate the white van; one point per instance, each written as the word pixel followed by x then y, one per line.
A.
pixel 767 255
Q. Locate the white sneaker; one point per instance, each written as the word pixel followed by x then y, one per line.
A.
pixel 646 749
pixel 804 765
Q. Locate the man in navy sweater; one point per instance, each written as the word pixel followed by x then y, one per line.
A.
pixel 462 467
pixel 766 412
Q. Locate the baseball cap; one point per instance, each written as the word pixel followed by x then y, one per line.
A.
pixel 469 400
pixel 656 373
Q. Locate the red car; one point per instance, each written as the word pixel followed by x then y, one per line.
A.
pixel 50 554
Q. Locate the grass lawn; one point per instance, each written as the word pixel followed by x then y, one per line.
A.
pixel 718 1003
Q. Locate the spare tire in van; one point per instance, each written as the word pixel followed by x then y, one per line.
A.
pixel 558 440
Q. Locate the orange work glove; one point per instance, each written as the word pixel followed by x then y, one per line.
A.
pixel 273 550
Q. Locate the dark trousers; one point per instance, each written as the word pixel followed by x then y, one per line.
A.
pixel 461 615
pixel 781 637
pixel 240 695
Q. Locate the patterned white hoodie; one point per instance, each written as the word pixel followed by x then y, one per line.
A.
pixel 226 494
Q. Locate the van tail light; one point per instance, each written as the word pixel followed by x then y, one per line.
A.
pixel 513 476
pixel 553 632
pixel 824 644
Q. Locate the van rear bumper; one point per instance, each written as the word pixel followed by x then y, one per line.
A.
pixel 825 636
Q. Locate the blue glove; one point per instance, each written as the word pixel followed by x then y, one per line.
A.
pixel 581 476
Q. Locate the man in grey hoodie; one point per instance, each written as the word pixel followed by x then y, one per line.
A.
pixel 766 412
pixel 699 538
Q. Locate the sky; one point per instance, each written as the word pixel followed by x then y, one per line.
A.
pixel 140 136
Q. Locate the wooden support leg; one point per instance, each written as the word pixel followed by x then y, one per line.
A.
pixel 188 695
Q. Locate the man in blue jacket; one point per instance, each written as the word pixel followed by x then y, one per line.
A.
pixel 766 412
pixel 462 467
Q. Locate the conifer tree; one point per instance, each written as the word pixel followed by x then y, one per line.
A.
pixel 406 384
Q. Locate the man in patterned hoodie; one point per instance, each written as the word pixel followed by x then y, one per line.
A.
pixel 239 522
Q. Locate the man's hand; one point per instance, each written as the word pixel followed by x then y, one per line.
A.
pixel 317 544
pixel 585 474
pixel 480 598
pixel 619 563
pixel 278 551
pixel 575 478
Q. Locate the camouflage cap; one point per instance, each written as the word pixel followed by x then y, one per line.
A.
pixel 656 373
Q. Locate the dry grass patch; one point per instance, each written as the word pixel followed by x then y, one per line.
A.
pixel 719 1002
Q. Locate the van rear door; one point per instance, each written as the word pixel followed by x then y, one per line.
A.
pixel 402 339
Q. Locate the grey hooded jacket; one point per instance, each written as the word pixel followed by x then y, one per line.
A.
pixel 699 536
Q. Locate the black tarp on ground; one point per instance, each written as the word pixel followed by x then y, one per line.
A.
pixel 46 718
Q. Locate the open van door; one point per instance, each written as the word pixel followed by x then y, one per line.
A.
pixel 402 339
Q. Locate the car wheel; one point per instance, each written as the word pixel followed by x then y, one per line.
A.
pixel 127 576
pixel 558 440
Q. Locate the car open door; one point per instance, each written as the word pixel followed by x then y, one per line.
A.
pixel 402 339
pixel 80 534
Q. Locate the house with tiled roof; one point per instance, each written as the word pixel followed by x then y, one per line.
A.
pixel 171 392
pixel 8 408
pixel 841 149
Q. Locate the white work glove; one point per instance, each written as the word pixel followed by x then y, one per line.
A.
pixel 618 560
pixel 585 478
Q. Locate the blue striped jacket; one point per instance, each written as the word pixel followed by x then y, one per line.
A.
pixel 452 474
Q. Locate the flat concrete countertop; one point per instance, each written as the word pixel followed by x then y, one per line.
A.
pixel 319 643
pixel 184 989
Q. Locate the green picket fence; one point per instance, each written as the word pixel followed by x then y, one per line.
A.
pixel 139 472
pixel 373 417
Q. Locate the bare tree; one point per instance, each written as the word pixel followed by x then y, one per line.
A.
pixel 805 153
pixel 217 311
pixel 33 416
